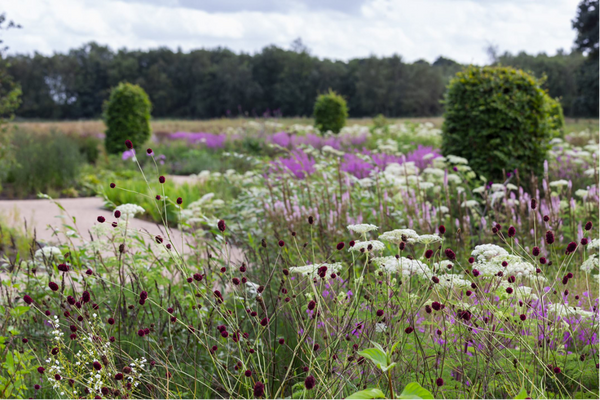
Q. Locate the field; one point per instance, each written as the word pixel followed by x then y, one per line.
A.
pixel 358 265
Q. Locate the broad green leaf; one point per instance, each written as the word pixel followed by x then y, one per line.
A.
pixel 415 391
pixel 372 393
pixel 394 346
pixel 388 367
pixel 522 394
pixel 18 311
pixel 378 357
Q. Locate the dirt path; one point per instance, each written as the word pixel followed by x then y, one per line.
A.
pixel 45 217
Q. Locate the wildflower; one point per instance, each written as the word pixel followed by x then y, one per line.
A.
pixel 535 251
pixel 281 341
pixel 533 204
pixel 259 389
pixel 340 245
pixel 429 254
pixel 111 321
pixel 37 387
pixel 311 220
pixel 141 333
pixel 362 228
pixel 408 330
pixel 588 226
pixel 471 260
pixel 27 299
pixel 158 197
pixel 101 219
pixel 556 370
pixel 442 229
pixel 398 236
pixel 509 290
pixel 53 286
pixel 143 295
pixel 512 231
pixel 310 382
pixel 281 243
pixel 549 237
pixel 368 246
pixel 571 247
pixel 235 281
pixel 129 144
pixel 97 366
pixel 264 321
pixel 546 218
pixel 429 239
pixel 112 185
pixel 161 179
pixel 311 305
pixel 584 241
pixel 379 313
pixel 130 210
pixel 450 254
pixel 41 370
pixel 543 260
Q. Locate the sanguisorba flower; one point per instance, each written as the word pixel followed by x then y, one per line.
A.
pixel 259 389
pixel 310 382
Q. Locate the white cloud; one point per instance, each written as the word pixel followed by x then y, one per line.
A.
pixel 459 29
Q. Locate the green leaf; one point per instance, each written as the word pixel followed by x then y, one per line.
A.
pixel 19 310
pixel 378 357
pixel 522 394
pixel 415 391
pixel 372 393
pixel 388 367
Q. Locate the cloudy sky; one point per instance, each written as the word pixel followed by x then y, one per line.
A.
pixel 341 29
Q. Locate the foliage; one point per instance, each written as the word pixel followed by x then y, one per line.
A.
pixel 47 163
pixel 330 112
pixel 556 116
pixel 499 119
pixel 127 117
pixel 586 24
pixel 557 74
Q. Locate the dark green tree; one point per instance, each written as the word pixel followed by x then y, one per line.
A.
pixel 586 24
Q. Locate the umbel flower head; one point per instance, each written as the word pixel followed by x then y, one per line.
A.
pixel 362 228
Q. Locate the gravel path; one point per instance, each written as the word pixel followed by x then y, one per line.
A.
pixel 46 218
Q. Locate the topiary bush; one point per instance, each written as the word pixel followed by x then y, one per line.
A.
pixel 127 116
pixel 498 118
pixel 330 112
pixel 557 117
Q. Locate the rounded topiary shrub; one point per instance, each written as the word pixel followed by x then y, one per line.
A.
pixel 557 117
pixel 498 118
pixel 330 112
pixel 127 116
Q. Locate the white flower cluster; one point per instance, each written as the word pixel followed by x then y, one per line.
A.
pixel 397 235
pixel 489 259
pixel 590 264
pixel 130 210
pixel 48 253
pixel 567 311
pixel 452 281
pixel 313 269
pixel 362 228
pixel 403 265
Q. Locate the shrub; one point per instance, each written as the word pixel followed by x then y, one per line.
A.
pixel 127 116
pixel 44 163
pixel 499 119
pixel 557 117
pixel 330 112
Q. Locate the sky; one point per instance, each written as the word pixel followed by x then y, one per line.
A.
pixel 335 29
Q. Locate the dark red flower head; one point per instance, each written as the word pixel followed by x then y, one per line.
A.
pixel 161 179
pixel 379 313
pixel 409 330
pixel 402 246
pixel 27 299
pixel 533 204
pixel 143 295
pixel 281 243
pixel 471 260
pixel 111 321
pixel 85 296
pixel 512 231
pixel 310 382
pixel 535 251
pixel 53 286
pixel 248 373
pixel 311 220
pixel 571 247
pixel 450 254
pixel 311 305
pixel 264 321
pixel 588 226
pixel 97 366
pixel 340 245
pixel 41 370
pixel 549 237
pixel 112 185
pixel 129 144
pixel 221 225
pixel 259 389
pixel 179 201
pixel 439 382
pixel 429 254
pixel 101 219
pixel 441 229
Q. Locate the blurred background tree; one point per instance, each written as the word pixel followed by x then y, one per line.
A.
pixel 586 24
pixel 10 93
